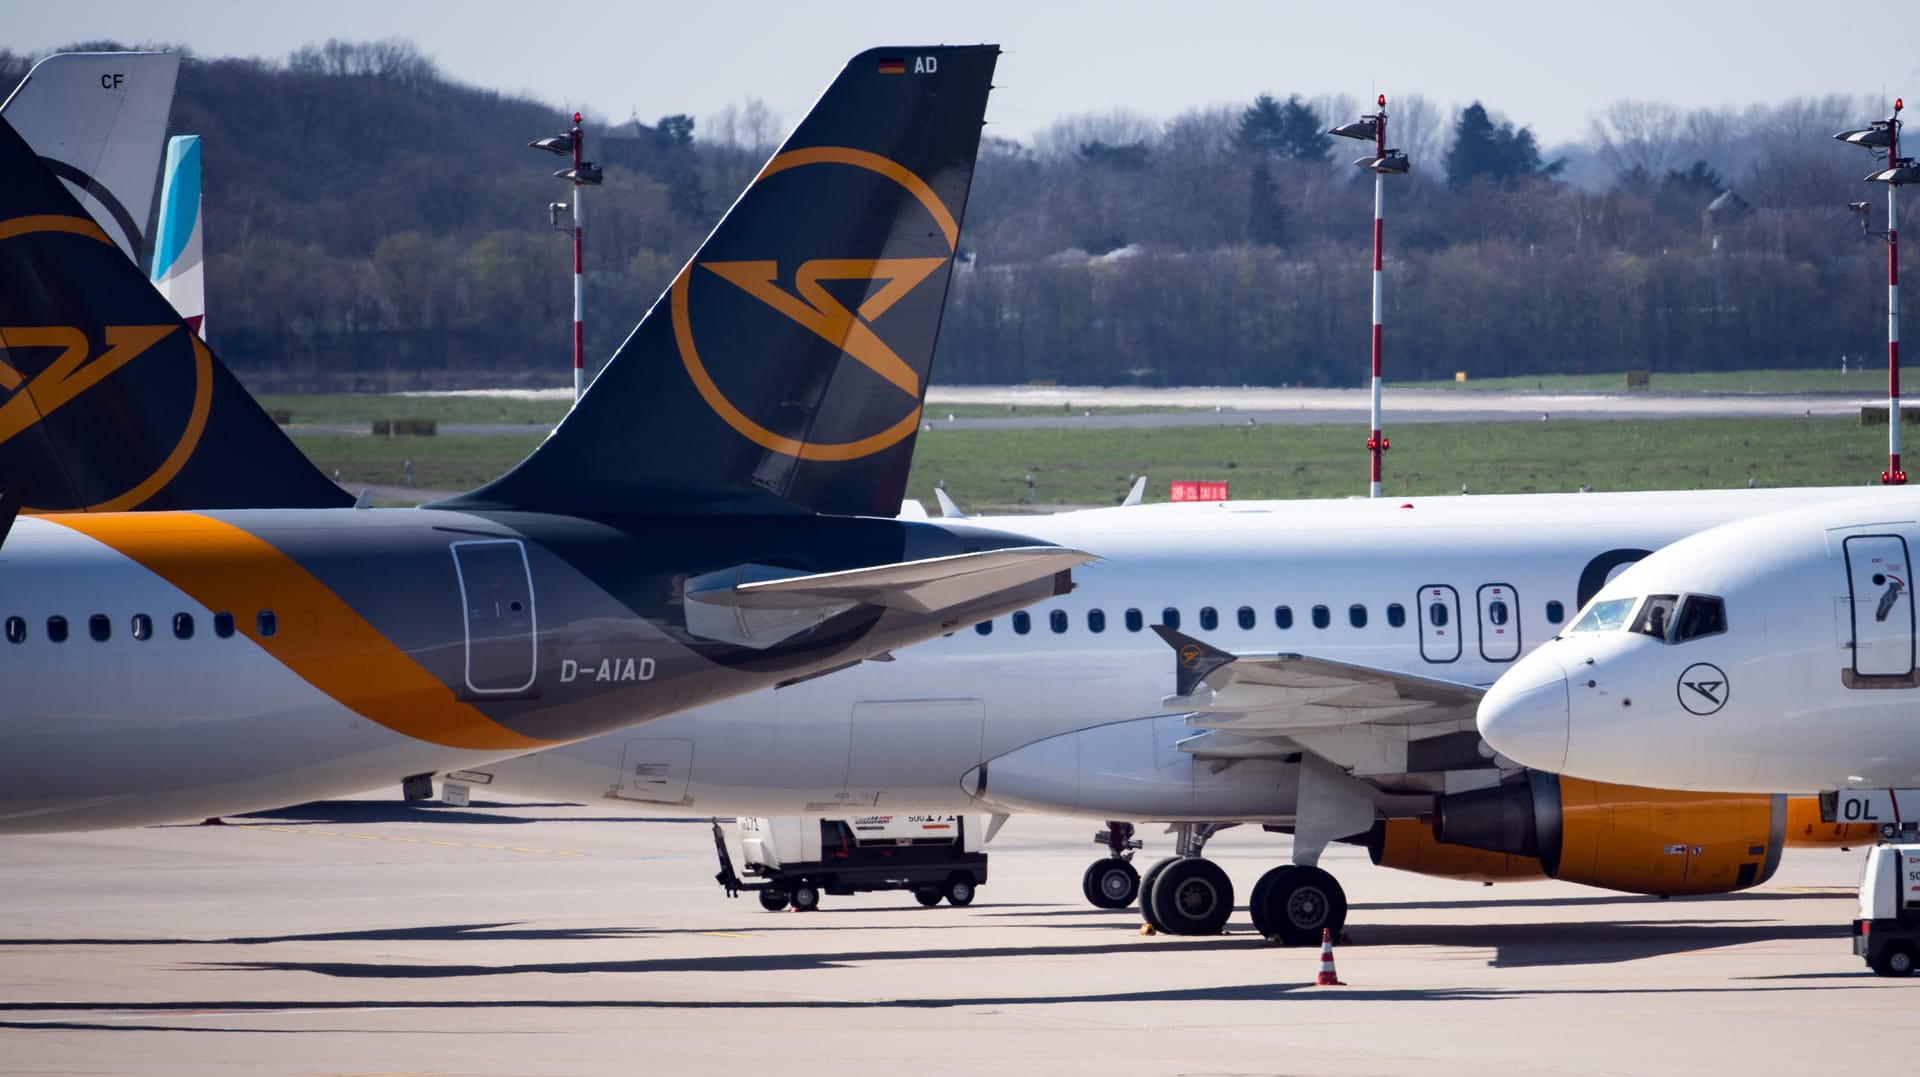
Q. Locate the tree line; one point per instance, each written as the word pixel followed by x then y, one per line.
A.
pixel 371 224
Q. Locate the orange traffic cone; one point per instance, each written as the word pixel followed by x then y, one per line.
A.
pixel 1328 977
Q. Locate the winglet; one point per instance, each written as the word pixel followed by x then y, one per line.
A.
pixel 1139 491
pixel 1193 660
pixel 948 509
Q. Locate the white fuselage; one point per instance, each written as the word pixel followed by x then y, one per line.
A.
pixel 1810 687
pixel 1068 719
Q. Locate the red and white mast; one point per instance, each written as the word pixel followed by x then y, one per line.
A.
pixel 579 278
pixel 1878 136
pixel 1383 163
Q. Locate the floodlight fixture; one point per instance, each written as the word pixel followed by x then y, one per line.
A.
pixel 560 145
pixel 1393 162
pixel 588 173
pixel 1901 172
pixel 1877 136
pixel 1367 127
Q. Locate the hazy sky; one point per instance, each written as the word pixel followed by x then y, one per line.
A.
pixel 1545 65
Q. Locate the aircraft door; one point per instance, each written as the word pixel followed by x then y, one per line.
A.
pixel 914 751
pixel 1439 607
pixel 1499 622
pixel 655 769
pixel 496 597
pixel 1880 586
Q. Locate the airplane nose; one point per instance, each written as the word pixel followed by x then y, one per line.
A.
pixel 1524 715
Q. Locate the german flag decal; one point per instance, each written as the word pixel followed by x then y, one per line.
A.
pixel 892 65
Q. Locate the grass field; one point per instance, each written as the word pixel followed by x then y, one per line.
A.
pixel 987 469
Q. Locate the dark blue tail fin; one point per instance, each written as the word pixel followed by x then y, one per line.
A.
pixel 108 401
pixel 785 368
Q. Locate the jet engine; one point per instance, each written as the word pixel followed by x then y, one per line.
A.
pixel 1410 845
pixel 1641 841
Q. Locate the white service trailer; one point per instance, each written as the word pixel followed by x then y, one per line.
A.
pixel 797 858
pixel 1887 932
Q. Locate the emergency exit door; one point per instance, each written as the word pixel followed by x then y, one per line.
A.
pixel 496 597
pixel 1880 588
pixel 1439 613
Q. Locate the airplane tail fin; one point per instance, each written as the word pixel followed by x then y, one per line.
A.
pixel 108 402
pixel 177 258
pixel 785 367
pixel 98 120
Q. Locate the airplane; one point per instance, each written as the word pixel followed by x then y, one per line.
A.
pixel 178 271
pixel 1326 660
pixel 1770 653
pixel 197 622
pixel 98 120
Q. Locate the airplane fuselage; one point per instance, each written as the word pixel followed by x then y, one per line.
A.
pixel 175 665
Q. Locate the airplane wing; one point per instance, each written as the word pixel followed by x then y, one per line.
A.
pixel 1271 705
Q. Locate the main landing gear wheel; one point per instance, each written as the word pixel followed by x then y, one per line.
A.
pixel 927 895
pixel 806 897
pixel 1146 892
pixel 1110 884
pixel 773 899
pixel 1293 903
pixel 1192 896
pixel 959 889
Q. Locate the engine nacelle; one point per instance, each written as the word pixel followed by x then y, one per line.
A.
pixel 1640 841
pixel 1806 830
pixel 1411 846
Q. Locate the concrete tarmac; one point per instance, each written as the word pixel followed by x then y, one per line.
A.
pixel 364 937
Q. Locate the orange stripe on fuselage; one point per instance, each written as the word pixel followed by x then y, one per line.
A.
pixel 225 568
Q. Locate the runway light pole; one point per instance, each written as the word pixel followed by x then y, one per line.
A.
pixel 1882 139
pixel 583 174
pixel 1383 163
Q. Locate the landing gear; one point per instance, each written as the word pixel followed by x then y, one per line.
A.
pixel 1192 896
pixel 1147 882
pixel 1293 903
pixel 1112 882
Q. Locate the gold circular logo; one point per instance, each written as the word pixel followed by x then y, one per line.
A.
pixel 813 308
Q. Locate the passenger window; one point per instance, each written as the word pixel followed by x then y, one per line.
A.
pixel 1170 617
pixel 100 627
pixel 142 626
pixel 1497 612
pixel 1022 624
pixel 1058 619
pixel 1397 615
pixel 1209 618
pixel 57 628
pixel 183 626
pixel 1556 613
pixel 1245 617
pixel 16 630
pixel 1322 617
pixel 985 628
pixel 223 625
pixel 1134 621
pixel 1283 617
pixel 1437 615
pixel 1703 615
pixel 266 623
pixel 1656 617
pixel 1096 621
pixel 1357 615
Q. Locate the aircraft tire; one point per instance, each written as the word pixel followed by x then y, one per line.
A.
pixel 1295 903
pixel 773 899
pixel 806 897
pixel 1146 893
pixel 1110 883
pixel 1193 896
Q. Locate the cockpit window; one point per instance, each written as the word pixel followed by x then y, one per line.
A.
pixel 1656 616
pixel 1702 615
pixel 1604 616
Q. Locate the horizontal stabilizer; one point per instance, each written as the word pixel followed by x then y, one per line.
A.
pixel 935 583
